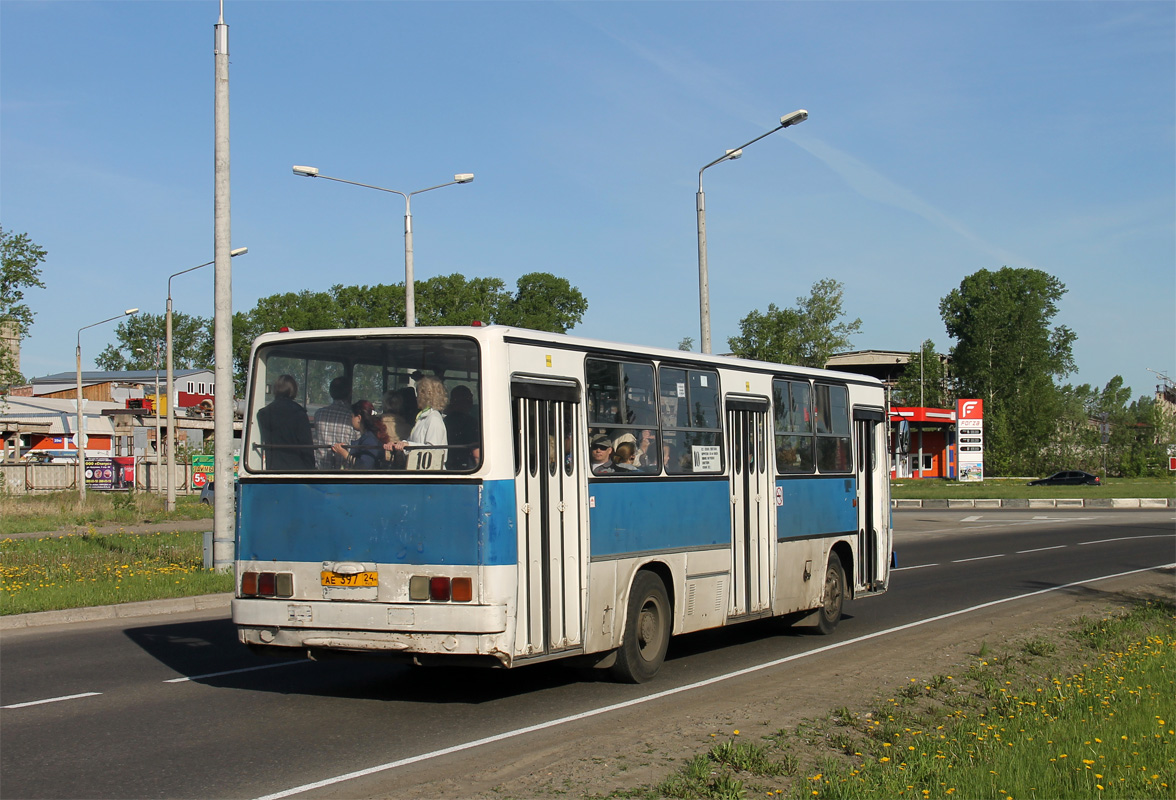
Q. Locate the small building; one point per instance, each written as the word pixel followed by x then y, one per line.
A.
pixel 929 436
pixel 45 428
pixel 192 386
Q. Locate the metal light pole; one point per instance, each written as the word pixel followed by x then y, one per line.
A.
pixel 80 432
pixel 171 393
pixel 786 121
pixel 409 293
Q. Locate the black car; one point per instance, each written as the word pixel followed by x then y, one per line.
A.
pixel 1072 477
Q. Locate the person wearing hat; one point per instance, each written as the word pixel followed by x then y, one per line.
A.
pixel 600 455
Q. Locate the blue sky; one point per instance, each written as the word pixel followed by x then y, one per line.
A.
pixel 943 138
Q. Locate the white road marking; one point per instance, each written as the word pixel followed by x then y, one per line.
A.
pixel 1039 549
pixel 973 518
pixel 978 558
pixel 689 687
pixel 53 700
pixel 1129 538
pixel 918 566
pixel 1065 519
pixel 235 671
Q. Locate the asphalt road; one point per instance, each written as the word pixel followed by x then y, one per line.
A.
pixel 174 707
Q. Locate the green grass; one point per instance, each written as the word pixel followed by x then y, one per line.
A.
pixel 1016 488
pixel 1017 725
pixel 81 570
pixel 59 511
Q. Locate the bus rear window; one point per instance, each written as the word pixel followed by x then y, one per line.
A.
pixel 421 392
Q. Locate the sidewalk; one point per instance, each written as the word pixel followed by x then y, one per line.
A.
pixel 130 527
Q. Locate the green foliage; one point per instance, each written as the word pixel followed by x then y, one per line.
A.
pixel 1008 354
pixel 806 335
pixel 192 343
pixel 1136 436
pixel 541 301
pixel 77 571
pixel 924 380
pixel 20 269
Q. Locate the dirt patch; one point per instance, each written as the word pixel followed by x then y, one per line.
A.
pixel 642 745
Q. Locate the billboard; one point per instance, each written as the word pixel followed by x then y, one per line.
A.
pixel 970 439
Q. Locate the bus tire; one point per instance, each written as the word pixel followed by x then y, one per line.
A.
pixel 829 614
pixel 647 631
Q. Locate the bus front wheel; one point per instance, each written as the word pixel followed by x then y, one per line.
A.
pixel 647 631
pixel 829 613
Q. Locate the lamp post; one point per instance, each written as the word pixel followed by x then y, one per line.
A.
pixel 171 415
pixel 409 294
pixel 786 121
pixel 80 432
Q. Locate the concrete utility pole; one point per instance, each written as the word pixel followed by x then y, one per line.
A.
pixel 223 544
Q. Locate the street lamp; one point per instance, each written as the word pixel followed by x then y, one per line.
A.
pixel 409 294
pixel 786 121
pixel 171 414
pixel 80 433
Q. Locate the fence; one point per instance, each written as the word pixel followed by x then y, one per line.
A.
pixel 38 478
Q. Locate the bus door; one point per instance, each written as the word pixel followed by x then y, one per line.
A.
pixel 871 471
pixel 552 558
pixel 752 539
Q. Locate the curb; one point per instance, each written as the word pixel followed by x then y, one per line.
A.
pixel 1060 502
pixel 147 608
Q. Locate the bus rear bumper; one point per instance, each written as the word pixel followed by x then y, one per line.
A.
pixel 403 628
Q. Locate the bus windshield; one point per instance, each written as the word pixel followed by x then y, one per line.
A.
pixel 395 403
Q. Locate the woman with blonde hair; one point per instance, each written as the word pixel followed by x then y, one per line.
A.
pixel 429 429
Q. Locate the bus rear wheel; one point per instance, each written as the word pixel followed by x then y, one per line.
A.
pixel 829 613
pixel 647 631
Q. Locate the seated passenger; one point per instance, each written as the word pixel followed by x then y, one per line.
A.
pixel 600 455
pixel 285 429
pixel 463 429
pixel 624 457
pixel 367 450
pixel 333 424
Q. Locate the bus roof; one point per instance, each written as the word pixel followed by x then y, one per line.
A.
pixel 509 334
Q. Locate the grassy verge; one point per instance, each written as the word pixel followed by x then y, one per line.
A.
pixel 83 570
pixel 1025 724
pixel 59 511
pixel 1016 488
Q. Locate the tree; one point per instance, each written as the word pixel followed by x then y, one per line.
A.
pixel 807 335
pixel 20 269
pixel 686 343
pixel 1008 354
pixel 924 380
pixel 192 342
pixel 541 301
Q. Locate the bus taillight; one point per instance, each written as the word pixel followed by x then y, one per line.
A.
pixel 439 588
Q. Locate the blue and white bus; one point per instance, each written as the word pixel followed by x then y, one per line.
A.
pixel 608 497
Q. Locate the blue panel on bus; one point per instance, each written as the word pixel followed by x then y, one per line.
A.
pixel 640 516
pixel 816 507
pixel 388 523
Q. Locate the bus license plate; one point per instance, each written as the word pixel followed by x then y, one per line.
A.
pixel 358 579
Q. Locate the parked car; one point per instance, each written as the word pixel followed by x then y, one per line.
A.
pixel 1072 477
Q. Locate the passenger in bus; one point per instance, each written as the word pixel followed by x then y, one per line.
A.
pixel 399 408
pixel 367 450
pixel 285 429
pixel 623 457
pixel 429 430
pixel 463 429
pixel 647 451
pixel 600 455
pixel 333 424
